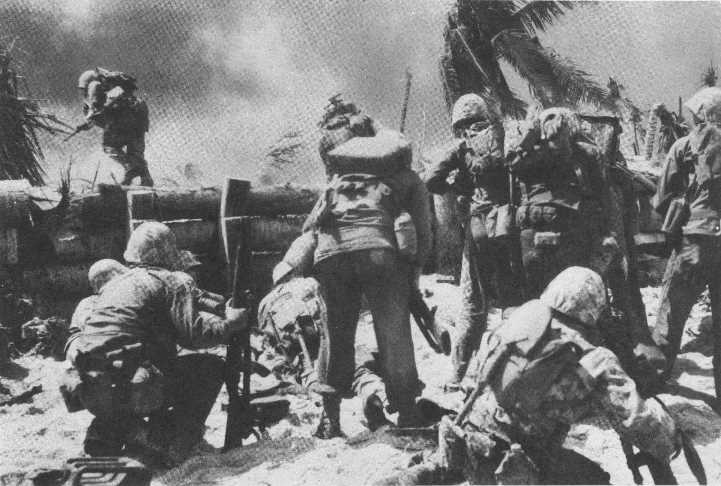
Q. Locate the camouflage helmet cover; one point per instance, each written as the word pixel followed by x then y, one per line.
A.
pixel 706 104
pixel 472 107
pixel 103 271
pixel 577 292
pixel 554 121
pixel 87 77
pixel 153 244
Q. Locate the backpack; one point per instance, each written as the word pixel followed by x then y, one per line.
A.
pixel 523 358
pixel 111 79
pixel 361 167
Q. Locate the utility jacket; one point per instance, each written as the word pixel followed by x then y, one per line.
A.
pixel 693 169
pixel 152 306
pixel 595 385
pixel 483 177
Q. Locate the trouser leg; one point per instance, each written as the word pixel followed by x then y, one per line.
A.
pixel 471 319
pixel 196 382
pixel 682 283
pixel 386 285
pixel 367 381
pixel 136 165
pixel 341 292
pixel 715 293
pixel 106 435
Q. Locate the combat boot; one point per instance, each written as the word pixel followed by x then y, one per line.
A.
pixel 329 426
pixel 373 412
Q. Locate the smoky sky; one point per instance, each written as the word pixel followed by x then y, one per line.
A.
pixel 225 79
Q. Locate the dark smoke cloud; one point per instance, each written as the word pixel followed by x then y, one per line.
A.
pixel 224 79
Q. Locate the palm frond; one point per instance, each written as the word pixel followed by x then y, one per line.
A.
pixel 537 15
pixel 573 84
pixel 20 121
pixel 710 76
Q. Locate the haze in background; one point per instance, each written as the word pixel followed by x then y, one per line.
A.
pixel 225 79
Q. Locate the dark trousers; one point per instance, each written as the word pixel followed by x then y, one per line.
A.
pixel 693 266
pixel 385 282
pixel 129 151
pixel 192 387
pixel 486 276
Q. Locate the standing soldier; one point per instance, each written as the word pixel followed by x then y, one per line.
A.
pixel 689 195
pixel 359 253
pixel 110 103
pixel 567 218
pixel 487 271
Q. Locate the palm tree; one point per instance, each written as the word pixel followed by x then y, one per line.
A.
pixel 710 76
pixel 480 33
pixel 20 121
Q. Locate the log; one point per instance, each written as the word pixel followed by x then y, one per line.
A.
pixel 73 246
pixel 279 200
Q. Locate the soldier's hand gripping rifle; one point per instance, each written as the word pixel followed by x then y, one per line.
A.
pixel 245 412
pixel 80 128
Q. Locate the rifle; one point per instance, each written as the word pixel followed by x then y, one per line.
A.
pixel 661 471
pixel 246 411
pixel 78 129
pixel 425 318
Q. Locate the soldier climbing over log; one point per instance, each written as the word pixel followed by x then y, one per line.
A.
pixel 110 102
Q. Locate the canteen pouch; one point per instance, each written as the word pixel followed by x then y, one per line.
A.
pixel 676 217
pixel 546 239
pixel 406 236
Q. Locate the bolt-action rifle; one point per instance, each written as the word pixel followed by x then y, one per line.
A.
pixel 246 412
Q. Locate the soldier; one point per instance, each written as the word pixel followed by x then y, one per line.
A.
pixel 110 103
pixel 689 195
pixel 567 217
pixel 127 354
pixel 291 318
pixel 537 375
pixel 99 274
pixel 357 254
pixel 487 271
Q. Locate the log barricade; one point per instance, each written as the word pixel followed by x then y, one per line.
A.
pixel 53 256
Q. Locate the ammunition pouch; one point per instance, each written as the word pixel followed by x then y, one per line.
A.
pixel 676 217
pixel 118 381
pixel 544 217
pixel 546 239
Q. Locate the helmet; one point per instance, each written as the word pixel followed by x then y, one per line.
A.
pixel 87 77
pixel 472 107
pixel 706 104
pixel 153 243
pixel 554 120
pixel 103 271
pixel 577 292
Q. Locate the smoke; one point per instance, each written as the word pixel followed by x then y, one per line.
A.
pixel 225 79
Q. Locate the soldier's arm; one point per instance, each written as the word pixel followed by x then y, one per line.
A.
pixel 674 179
pixel 444 162
pixel 195 328
pixel 95 102
pixel 643 423
pixel 418 206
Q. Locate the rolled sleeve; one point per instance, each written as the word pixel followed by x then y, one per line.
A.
pixel 195 328
pixel 643 423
